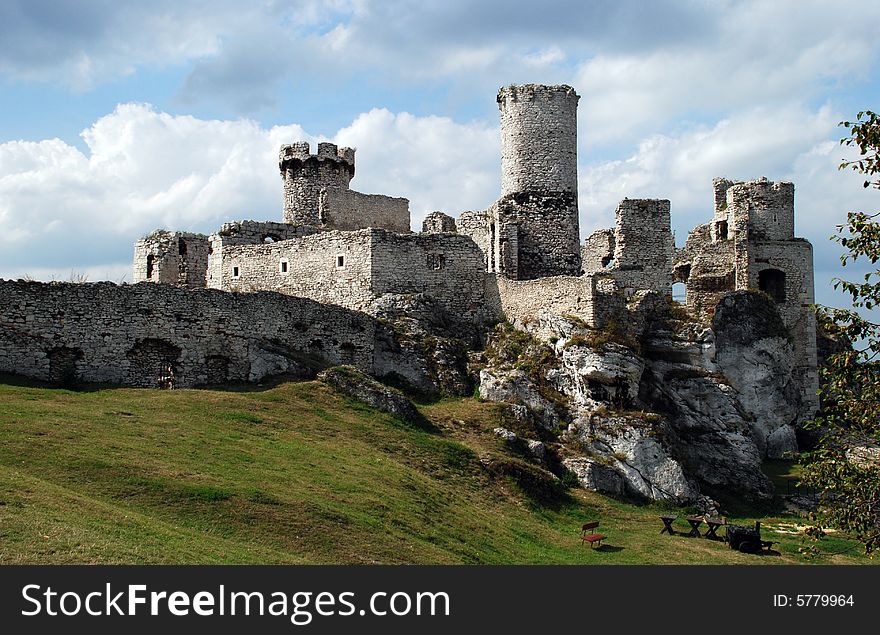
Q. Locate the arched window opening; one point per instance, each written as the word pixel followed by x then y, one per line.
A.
pixel 679 292
pixel 772 282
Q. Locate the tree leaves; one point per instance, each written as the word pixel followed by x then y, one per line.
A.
pixel 845 467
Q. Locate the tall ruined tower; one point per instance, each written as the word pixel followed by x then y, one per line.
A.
pixel 534 225
pixel 305 175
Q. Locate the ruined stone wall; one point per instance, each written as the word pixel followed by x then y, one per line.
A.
pixel 333 267
pixel 706 268
pixel 768 206
pixel 171 257
pixel 247 232
pixel 794 258
pixel 643 245
pixel 526 300
pixel 133 334
pixel 448 267
pixel 598 251
pixel 475 224
pixel 544 227
pixel 438 223
pixel 304 175
pixel 344 209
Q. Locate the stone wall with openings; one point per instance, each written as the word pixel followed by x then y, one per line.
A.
pixel 448 267
pixel 333 267
pixel 156 335
pixel 179 258
pixel 247 232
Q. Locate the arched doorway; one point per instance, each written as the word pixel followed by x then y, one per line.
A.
pixel 772 282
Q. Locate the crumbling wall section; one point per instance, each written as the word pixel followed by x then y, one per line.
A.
pixel 438 223
pixel 158 335
pixel 643 245
pixel 179 258
pixel 475 224
pixel 598 251
pixel 344 209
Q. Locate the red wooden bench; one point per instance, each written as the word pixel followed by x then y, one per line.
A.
pixel 590 536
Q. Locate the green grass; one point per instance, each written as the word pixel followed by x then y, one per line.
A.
pixel 297 473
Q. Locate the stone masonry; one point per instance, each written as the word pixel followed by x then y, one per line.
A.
pixel 308 286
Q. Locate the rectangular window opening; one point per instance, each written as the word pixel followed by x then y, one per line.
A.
pixel 340 262
pixel 282 266
pixel 236 272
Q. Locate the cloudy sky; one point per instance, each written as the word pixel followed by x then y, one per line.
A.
pixel 122 117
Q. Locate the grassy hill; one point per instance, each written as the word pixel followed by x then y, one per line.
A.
pixel 296 473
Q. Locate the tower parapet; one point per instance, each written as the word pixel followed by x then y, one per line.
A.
pixel 304 176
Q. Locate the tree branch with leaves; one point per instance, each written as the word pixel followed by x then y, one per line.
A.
pixel 845 467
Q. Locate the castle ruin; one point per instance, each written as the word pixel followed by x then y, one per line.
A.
pixel 338 254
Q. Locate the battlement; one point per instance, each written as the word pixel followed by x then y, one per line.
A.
pixel 532 92
pixel 294 154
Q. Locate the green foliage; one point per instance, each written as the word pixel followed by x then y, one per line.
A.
pixel 851 379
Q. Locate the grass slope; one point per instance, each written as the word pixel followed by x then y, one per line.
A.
pixel 297 473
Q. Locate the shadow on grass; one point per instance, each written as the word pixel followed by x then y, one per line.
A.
pixel 608 549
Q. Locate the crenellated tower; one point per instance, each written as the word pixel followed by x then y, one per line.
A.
pixel 305 175
pixel 534 225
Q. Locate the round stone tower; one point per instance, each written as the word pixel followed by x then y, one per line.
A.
pixel 537 214
pixel 305 175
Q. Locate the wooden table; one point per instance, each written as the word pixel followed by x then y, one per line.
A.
pixel 713 525
pixel 667 524
pixel 695 522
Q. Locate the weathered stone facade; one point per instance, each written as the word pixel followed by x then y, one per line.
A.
pixel 154 335
pixel 172 257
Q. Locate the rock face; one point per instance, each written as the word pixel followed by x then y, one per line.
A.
pixel 692 413
pixel 754 353
pixel 350 381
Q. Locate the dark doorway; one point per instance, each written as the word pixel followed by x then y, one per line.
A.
pixel 772 282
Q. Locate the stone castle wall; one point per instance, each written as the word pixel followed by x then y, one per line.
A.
pixel 448 267
pixel 344 209
pixel 333 267
pixel 597 252
pixel 527 300
pixel 133 334
pixel 171 257
pixel 247 232
pixel 643 245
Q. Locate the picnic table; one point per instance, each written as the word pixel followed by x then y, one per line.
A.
pixel 695 522
pixel 713 525
pixel 667 525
